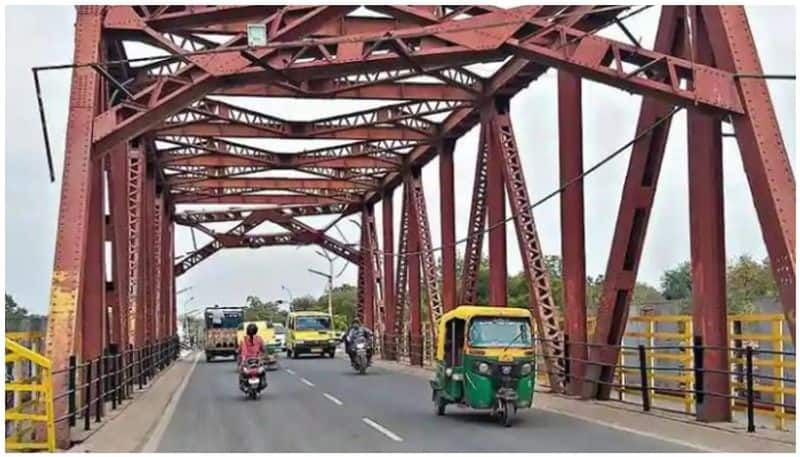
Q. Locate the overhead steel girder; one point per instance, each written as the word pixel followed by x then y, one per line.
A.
pixel 235 214
pixel 265 183
pixel 213 118
pixel 299 233
pixel 449 41
pixel 215 152
pixel 263 199
pixel 199 76
pixel 332 88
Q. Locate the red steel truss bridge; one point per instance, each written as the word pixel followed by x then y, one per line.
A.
pixel 154 134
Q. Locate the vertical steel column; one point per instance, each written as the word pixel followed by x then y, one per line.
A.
pixel 430 272
pixel 638 192
pixel 573 254
pixel 414 293
pixel 448 228
pixel 117 177
pixel 93 310
pixel 541 302
pixel 389 298
pixel 401 305
pixel 368 266
pixel 73 214
pixel 764 155
pixel 477 223
pixel 156 263
pixel 136 165
pixel 496 203
pixel 707 229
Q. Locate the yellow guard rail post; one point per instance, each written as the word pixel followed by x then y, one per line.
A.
pixel 36 405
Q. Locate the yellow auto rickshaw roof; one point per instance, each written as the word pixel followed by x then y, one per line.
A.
pixel 468 311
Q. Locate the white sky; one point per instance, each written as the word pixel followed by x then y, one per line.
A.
pixel 38 35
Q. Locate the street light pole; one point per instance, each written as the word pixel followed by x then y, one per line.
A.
pixel 329 277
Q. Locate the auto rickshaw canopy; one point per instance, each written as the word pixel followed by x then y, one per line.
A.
pixel 467 312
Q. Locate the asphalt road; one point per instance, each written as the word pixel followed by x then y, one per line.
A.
pixel 322 405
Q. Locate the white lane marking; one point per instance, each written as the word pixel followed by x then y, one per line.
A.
pixel 290 371
pixel 333 399
pixel 307 382
pixel 382 429
pixel 169 411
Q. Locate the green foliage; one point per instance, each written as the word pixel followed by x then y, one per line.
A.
pixel 15 313
pixel 304 303
pixel 676 283
pixel 257 310
pixel 748 280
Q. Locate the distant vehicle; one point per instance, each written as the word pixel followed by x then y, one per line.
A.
pixel 280 335
pixel 310 332
pixel 221 325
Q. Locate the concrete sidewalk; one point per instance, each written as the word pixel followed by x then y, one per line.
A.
pixel 130 427
pixel 676 428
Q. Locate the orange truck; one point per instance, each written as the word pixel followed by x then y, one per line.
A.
pixel 222 323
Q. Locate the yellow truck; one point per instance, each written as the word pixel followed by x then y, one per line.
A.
pixel 310 332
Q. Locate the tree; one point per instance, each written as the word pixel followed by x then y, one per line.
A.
pixel 676 283
pixel 257 310
pixel 15 314
pixel 305 303
pixel 748 280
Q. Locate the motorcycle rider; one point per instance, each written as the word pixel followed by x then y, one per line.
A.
pixel 355 330
pixel 252 346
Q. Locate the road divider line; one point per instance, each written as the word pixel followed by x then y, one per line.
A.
pixel 290 371
pixel 307 382
pixel 392 436
pixel 333 399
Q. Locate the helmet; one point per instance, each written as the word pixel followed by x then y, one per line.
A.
pixel 252 329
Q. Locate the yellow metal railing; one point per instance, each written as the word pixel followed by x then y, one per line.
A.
pixel 675 331
pixel 29 397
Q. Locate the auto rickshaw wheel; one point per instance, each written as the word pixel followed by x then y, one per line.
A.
pixel 439 403
pixel 506 414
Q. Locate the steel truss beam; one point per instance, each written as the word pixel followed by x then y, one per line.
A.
pixel 501 138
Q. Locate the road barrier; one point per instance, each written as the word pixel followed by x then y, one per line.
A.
pixel 29 395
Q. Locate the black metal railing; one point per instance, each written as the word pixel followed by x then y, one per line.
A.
pixel 111 379
pixel 645 371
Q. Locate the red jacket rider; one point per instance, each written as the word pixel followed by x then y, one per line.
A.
pixel 252 346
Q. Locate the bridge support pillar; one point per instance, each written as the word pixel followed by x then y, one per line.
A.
pixel 448 230
pixel 707 230
pixel 573 256
pixel 389 298
pixel 638 192
pixel 496 205
pixel 414 293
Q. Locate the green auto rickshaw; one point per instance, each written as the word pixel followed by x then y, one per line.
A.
pixel 485 360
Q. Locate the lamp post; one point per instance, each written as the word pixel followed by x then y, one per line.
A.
pixel 330 287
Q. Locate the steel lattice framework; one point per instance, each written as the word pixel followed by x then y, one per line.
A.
pixel 157 135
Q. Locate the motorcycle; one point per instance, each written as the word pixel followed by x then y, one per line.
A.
pixel 363 354
pixel 252 377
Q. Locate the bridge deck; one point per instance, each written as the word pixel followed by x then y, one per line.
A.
pixel 300 412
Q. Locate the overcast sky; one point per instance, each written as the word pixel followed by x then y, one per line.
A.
pixel 38 35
